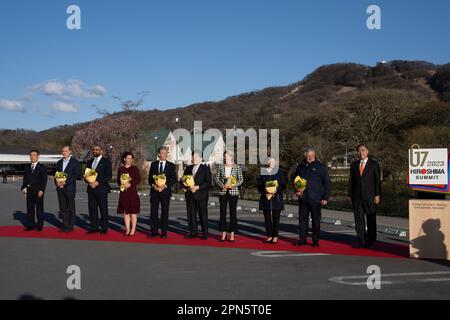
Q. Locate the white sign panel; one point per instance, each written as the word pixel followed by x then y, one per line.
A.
pixel 428 166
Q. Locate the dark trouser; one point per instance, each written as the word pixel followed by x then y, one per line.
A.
pixel 98 199
pixel 272 222
pixel 155 223
pixel 304 209
pixel 224 200
pixel 364 210
pixel 66 201
pixel 35 208
pixel 195 207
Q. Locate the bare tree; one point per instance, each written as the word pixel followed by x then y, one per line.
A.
pixel 132 104
pixel 115 134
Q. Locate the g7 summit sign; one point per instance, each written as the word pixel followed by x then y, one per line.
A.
pixel 428 166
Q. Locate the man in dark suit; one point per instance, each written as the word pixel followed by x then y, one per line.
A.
pixel 197 196
pixel 161 195
pixel 66 190
pixel 33 186
pixel 98 191
pixel 364 188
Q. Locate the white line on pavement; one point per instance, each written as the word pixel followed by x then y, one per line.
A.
pixel 345 279
pixel 278 254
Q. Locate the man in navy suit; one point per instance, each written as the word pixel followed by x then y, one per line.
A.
pixel 66 190
pixel 98 191
pixel 197 196
pixel 161 195
pixel 33 186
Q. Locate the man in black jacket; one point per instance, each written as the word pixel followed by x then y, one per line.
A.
pixel 33 186
pixel 66 190
pixel 98 191
pixel 161 195
pixel 316 195
pixel 197 196
pixel 364 188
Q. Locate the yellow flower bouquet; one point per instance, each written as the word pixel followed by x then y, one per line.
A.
pixel 90 175
pixel 231 181
pixel 125 179
pixel 300 184
pixel 271 188
pixel 188 180
pixel 60 177
pixel 160 180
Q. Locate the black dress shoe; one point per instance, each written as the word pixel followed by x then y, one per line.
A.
pixel 315 244
pixel 153 235
pixel 92 231
pixel 164 236
pixel 104 231
pixel 28 229
pixel 64 230
pixel 204 237
pixel 300 243
pixel 39 228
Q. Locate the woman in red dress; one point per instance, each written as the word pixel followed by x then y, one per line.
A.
pixel 129 202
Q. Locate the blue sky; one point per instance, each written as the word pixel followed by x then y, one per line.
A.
pixel 184 52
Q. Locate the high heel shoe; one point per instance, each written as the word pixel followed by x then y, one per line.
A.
pixel 126 234
pixel 131 235
pixel 267 241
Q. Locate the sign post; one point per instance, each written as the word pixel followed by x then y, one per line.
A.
pixel 429 220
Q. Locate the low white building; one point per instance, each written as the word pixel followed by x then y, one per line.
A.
pixel 14 158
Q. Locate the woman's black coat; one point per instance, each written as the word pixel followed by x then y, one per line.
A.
pixel 276 203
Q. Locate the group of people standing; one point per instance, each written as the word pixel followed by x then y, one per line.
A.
pixel 363 188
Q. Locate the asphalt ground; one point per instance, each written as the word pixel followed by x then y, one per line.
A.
pixel 37 268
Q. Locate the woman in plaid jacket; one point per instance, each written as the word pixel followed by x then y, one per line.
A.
pixel 229 193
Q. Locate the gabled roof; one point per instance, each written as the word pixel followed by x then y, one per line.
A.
pixel 151 144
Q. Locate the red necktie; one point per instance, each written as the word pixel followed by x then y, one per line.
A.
pixel 361 168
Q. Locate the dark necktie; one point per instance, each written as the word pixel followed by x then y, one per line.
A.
pixel 32 168
pixel 160 167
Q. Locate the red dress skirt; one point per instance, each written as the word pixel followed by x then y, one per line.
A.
pixel 129 201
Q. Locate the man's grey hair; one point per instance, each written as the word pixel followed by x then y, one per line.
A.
pixel 269 159
pixel 308 150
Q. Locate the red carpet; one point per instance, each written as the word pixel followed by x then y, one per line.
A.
pixel 381 249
